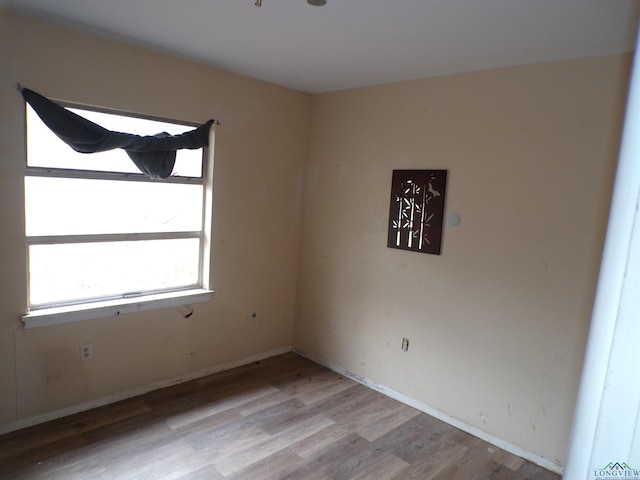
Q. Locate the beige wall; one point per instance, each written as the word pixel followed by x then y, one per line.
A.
pixel 497 324
pixel 260 151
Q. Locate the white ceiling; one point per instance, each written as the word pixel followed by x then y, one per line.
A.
pixel 354 43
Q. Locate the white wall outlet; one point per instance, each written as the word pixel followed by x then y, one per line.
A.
pixel 405 344
pixel 86 351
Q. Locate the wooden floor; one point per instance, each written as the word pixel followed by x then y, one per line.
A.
pixel 283 418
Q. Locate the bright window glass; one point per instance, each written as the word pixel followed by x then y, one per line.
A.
pixel 97 232
pixel 75 206
pixel 45 149
pixel 74 272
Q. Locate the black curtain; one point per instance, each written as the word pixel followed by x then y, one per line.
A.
pixel 154 155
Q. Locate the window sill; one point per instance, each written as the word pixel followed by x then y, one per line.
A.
pixel 113 308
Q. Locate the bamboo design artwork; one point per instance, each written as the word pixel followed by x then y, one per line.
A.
pixel 417 210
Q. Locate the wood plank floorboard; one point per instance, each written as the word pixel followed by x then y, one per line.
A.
pixel 285 418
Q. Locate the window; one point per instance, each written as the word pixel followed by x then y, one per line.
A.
pixel 102 238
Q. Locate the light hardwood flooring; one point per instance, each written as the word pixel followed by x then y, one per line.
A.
pixel 282 418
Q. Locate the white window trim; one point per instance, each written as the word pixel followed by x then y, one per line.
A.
pixel 49 316
pixel 113 308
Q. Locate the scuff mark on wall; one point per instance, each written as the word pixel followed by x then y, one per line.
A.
pixel 540 407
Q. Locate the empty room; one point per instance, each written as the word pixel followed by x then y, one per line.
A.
pixel 298 239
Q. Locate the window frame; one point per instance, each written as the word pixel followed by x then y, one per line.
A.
pixel 64 312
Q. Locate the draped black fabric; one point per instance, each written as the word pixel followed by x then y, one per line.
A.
pixel 154 155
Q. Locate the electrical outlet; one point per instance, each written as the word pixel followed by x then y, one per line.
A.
pixel 405 344
pixel 86 351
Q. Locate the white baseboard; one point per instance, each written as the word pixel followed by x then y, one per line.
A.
pixel 100 402
pixel 476 432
